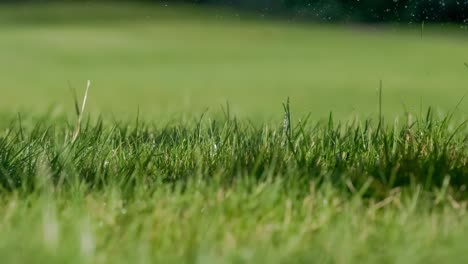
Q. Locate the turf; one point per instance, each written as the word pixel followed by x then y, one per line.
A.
pixel 173 61
pixel 149 176
pixel 223 190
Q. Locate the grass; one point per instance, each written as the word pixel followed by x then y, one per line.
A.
pixel 169 61
pixel 224 190
pixel 143 173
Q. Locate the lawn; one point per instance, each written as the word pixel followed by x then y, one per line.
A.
pixel 147 177
pixel 169 60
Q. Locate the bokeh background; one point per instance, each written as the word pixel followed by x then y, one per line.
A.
pixel 179 58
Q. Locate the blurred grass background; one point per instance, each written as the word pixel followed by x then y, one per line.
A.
pixel 180 60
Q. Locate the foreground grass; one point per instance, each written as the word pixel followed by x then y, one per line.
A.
pixel 223 190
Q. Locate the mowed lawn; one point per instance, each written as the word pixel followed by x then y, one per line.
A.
pixel 177 60
pixel 162 188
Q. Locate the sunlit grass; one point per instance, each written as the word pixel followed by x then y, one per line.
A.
pixel 223 190
pixel 166 60
pixel 143 173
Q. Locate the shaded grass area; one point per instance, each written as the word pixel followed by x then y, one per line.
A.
pixel 217 190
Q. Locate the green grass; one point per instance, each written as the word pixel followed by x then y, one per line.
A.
pixel 148 176
pixel 176 61
pixel 223 190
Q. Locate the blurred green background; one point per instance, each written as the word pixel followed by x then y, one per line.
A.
pixel 180 60
pixel 325 10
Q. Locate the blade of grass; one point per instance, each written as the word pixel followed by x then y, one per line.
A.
pixel 80 115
